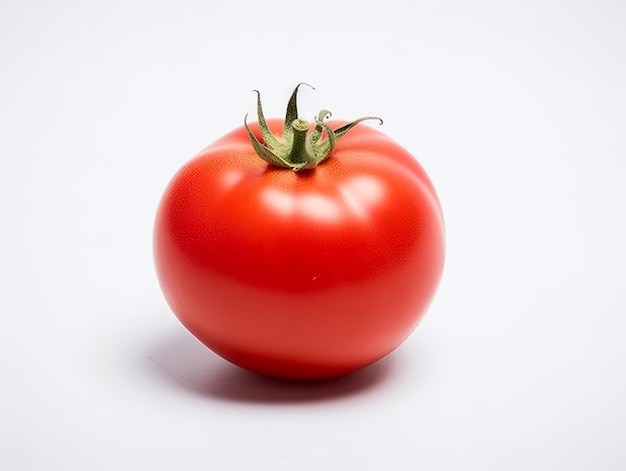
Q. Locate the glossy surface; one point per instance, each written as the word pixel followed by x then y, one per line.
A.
pixel 309 274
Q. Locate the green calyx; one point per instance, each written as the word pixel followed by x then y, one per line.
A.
pixel 298 148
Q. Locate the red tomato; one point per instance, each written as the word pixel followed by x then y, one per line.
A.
pixel 302 274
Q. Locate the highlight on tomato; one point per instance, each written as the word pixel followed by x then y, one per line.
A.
pixel 300 250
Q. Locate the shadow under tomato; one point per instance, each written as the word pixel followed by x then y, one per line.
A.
pixel 184 362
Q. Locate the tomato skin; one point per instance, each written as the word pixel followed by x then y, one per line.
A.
pixel 302 275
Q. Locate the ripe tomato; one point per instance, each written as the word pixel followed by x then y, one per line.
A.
pixel 306 272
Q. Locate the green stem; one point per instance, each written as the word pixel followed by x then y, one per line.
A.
pixel 298 149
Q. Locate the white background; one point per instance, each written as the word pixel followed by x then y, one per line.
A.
pixel 516 109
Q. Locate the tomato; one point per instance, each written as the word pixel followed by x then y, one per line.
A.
pixel 311 266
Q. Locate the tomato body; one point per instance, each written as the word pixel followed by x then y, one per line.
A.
pixel 303 275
